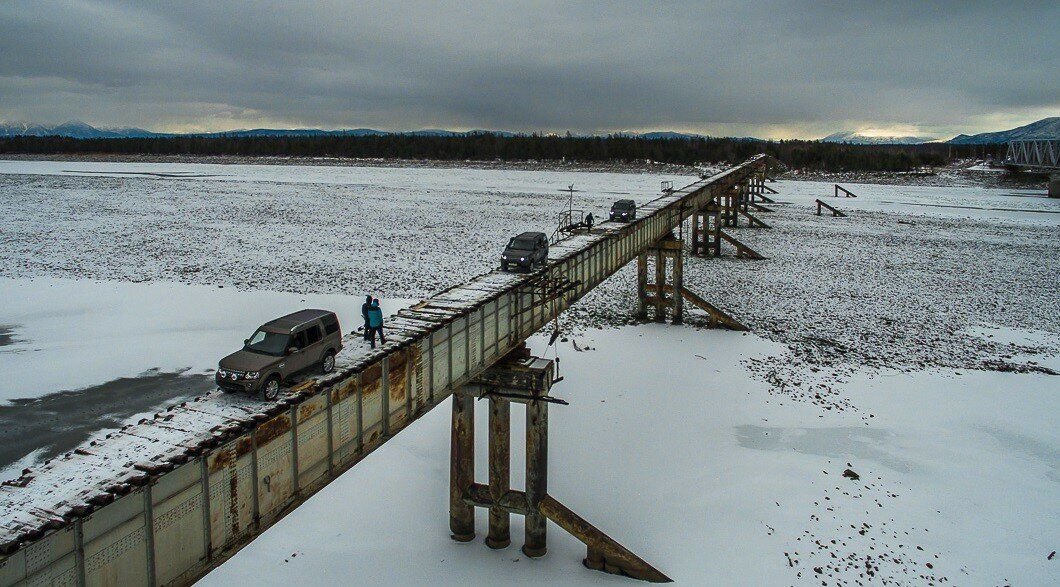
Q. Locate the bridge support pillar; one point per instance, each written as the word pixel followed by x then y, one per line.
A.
pixel 728 200
pixel 706 231
pixel 658 293
pixel 500 470
pixel 521 378
pixel 1054 185
pixel 462 468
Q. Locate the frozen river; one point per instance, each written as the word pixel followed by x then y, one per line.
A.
pixel 913 340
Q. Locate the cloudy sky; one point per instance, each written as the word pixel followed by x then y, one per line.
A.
pixel 767 68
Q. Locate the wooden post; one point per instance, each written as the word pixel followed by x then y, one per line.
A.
pixel 660 280
pixel 678 285
pixel 642 286
pixel 500 467
pixel 462 467
pixel 715 241
pixel 698 246
pixel 536 477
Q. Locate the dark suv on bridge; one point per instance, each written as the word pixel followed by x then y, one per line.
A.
pixel 279 349
pixel 525 251
pixel 624 211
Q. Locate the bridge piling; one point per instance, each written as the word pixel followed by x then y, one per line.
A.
pixel 659 294
pixel 462 468
pixel 706 224
pixel 500 476
pixel 536 477
pixel 521 378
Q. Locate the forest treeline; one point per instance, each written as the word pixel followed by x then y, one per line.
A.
pixel 796 154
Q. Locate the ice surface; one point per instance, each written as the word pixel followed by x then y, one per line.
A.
pixel 670 448
pixel 75 333
pixel 883 340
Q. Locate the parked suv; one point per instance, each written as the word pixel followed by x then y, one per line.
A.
pixel 279 349
pixel 526 250
pixel 624 211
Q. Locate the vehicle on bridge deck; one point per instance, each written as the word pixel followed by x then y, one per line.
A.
pixel 279 349
pixel 525 251
pixel 624 211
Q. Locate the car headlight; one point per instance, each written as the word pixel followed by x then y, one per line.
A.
pixel 252 374
pixel 522 258
pixel 222 373
pixel 505 257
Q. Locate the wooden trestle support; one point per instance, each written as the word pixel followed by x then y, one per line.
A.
pixel 665 258
pixel 521 378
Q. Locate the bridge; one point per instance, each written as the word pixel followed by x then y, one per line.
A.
pixel 163 501
pixel 1037 155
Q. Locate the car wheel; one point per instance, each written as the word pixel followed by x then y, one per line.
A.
pixel 271 389
pixel 328 364
pixel 504 266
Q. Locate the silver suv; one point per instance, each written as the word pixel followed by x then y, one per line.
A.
pixel 279 349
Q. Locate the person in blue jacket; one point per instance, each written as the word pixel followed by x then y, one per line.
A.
pixel 375 323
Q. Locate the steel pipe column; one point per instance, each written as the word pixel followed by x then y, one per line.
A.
pixel 500 471
pixel 462 468
pixel 536 477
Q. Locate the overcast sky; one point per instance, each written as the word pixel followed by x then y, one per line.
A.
pixel 766 68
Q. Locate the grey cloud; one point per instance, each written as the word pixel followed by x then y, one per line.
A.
pixel 586 66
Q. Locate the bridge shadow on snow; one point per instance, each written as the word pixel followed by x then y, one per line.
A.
pixel 57 423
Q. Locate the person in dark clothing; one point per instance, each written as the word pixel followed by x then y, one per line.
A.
pixel 375 323
pixel 589 220
pixel 367 305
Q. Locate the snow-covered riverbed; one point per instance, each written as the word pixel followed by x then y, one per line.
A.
pixel 912 340
pixel 669 447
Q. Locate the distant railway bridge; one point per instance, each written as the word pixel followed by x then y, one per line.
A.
pixel 1037 155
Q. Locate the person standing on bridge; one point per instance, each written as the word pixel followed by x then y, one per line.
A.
pixel 589 221
pixel 375 323
pixel 365 307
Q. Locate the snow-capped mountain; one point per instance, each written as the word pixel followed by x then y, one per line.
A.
pixel 74 129
pixel 1046 128
pixel 855 138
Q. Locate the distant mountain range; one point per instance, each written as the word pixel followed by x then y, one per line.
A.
pixel 1045 128
pixel 855 138
pixel 82 130
pixel 75 129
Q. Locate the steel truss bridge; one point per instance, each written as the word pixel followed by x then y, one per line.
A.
pixel 1034 155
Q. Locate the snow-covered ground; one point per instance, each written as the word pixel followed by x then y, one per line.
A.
pixel 671 449
pixel 913 340
pixel 402 232
pixel 69 334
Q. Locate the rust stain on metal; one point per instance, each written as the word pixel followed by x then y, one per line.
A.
pixel 306 410
pixel 372 373
pixel 223 458
pixel 243 446
pixel 273 428
pixel 418 366
pixel 396 375
pixel 233 503
pixel 344 390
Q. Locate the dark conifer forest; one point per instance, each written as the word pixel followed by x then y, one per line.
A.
pixel 796 154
